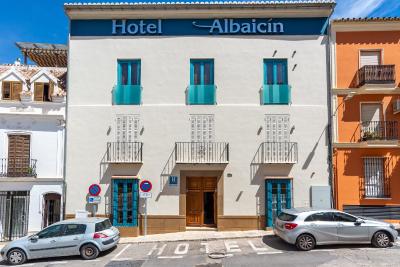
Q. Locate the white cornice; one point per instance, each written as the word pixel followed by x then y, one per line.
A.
pixel 357 26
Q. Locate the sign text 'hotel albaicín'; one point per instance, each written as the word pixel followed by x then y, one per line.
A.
pixel 218 26
pixel 199 27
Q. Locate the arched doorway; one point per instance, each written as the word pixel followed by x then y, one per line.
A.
pixel 51 208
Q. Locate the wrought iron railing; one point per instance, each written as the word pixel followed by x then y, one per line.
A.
pixel 376 181
pixel 18 167
pixel 124 152
pixel 379 130
pixel 201 152
pixel 279 152
pixel 376 74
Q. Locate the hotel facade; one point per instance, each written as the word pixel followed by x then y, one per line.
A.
pixel 366 107
pixel 223 107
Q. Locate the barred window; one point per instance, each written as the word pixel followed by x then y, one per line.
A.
pixel 375 183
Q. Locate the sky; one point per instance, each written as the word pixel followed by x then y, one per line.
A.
pixel 44 20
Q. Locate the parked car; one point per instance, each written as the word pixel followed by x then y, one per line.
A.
pixel 307 228
pixel 85 237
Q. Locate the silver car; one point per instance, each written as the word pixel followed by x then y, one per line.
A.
pixel 307 228
pixel 85 237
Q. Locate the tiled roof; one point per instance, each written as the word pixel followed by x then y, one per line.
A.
pixel 367 19
pixel 45 55
pixel 172 3
pixel 28 71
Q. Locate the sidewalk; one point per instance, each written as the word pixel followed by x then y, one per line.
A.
pixel 194 235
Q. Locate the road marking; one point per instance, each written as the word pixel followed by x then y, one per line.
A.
pixel 321 250
pixel 160 250
pixel 206 248
pixel 182 248
pixel 122 259
pixel 122 251
pixel 89 261
pixel 232 246
pixel 269 252
pixel 28 264
pixel 170 257
pixel 256 249
pixel 228 255
pixel 58 262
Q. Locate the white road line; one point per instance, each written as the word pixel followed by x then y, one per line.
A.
pixel 181 249
pixel 256 249
pixel 229 255
pixel 122 251
pixel 170 257
pixel 89 261
pixel 122 259
pixel 58 262
pixel 269 252
pixel 322 250
pixel 206 248
pixel 28 264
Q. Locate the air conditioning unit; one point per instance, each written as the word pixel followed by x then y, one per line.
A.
pixel 396 106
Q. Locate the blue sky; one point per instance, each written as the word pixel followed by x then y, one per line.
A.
pixel 44 20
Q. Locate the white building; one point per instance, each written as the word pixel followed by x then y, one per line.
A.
pixel 32 119
pixel 223 106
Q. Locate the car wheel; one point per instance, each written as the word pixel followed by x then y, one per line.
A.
pixel 305 242
pixel 381 240
pixel 89 252
pixel 16 256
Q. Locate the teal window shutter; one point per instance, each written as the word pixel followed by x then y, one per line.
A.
pixel 128 90
pixel 201 88
pixel 276 89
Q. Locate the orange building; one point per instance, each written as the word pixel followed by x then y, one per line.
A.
pixel 365 116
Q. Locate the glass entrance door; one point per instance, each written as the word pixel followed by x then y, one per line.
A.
pixel 278 196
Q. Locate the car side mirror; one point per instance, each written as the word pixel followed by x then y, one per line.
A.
pixel 358 222
pixel 34 238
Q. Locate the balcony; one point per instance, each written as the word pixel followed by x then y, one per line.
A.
pixel 377 75
pixel 279 152
pixel 202 152
pixel 124 152
pixel 127 95
pixel 276 94
pixel 379 131
pixel 17 167
pixel 201 95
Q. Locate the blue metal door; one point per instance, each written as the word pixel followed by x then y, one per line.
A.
pixel 125 202
pixel 278 196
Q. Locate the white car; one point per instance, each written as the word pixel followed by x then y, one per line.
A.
pixel 85 237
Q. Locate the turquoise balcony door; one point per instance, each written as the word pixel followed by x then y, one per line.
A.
pixel 125 196
pixel 276 89
pixel 278 196
pixel 128 88
pixel 201 90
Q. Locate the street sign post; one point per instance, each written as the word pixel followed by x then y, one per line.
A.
pixel 145 186
pixel 94 199
pixel 94 190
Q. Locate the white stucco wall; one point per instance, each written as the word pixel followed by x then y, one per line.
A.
pixel 164 117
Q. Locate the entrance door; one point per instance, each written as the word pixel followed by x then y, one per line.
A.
pixel 125 202
pixel 201 201
pixel 51 209
pixel 18 155
pixel 14 210
pixel 278 196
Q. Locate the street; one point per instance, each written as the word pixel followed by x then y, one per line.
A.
pixel 266 251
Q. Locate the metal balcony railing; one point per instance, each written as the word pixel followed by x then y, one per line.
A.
pixel 201 94
pixel 17 167
pixel 376 74
pixel 279 152
pixel 201 152
pixel 124 152
pixel 378 130
pixel 127 95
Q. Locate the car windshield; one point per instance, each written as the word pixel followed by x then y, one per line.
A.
pixel 286 217
pixel 104 225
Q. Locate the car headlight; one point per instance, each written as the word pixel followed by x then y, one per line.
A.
pixel 392 226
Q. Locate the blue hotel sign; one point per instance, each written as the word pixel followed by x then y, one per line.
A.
pixel 199 27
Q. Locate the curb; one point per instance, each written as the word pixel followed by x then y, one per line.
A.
pixel 269 233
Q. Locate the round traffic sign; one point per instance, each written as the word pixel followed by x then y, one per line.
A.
pixel 94 190
pixel 145 186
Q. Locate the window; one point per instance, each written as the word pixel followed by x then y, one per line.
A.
pixel 104 225
pixel 370 58
pixel 74 229
pixel 202 127
pixel 286 217
pixel 129 72
pixel 343 217
pixel 321 217
pixel 127 128
pixel 11 90
pixel 275 71
pixel 51 231
pixel 201 71
pixel 375 183
pixel 43 91
pixel 125 202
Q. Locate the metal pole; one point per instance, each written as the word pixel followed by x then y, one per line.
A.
pixel 145 217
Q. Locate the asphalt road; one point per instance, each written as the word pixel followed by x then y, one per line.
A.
pixel 267 251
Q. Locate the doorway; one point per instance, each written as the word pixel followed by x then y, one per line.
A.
pixel 201 201
pixel 278 195
pixel 51 209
